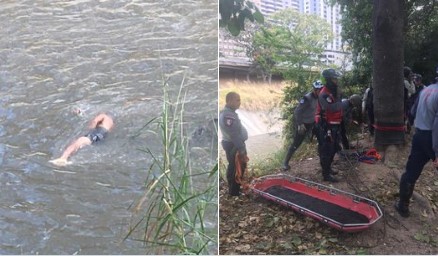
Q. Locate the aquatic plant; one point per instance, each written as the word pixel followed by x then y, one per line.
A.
pixel 177 213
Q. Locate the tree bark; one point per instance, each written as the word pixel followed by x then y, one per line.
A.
pixel 388 71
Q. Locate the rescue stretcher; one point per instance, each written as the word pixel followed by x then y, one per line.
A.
pixel 339 209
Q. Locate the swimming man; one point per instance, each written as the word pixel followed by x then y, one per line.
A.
pixel 99 126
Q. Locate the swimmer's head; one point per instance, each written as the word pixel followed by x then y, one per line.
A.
pixel 77 111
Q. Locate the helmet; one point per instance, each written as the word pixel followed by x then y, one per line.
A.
pixel 356 100
pixel 317 84
pixel 330 73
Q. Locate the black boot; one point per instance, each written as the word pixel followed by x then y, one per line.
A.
pixel 289 155
pixel 402 208
pixel 406 191
pixel 333 172
pixel 327 171
pixel 233 186
pixel 330 178
pixel 285 167
pixel 327 175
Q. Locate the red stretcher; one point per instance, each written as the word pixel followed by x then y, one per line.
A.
pixel 339 209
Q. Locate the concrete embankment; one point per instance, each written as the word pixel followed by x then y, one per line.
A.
pixel 264 132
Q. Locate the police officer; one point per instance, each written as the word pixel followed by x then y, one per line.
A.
pixel 353 102
pixel 328 120
pixel 409 89
pixel 411 101
pixel 303 120
pixel 424 145
pixel 234 136
pixel 368 107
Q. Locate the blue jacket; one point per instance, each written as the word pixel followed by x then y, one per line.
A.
pixel 426 116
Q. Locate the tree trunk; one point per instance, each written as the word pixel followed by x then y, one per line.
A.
pixel 388 71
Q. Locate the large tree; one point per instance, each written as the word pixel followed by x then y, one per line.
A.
pixel 420 30
pixel 388 25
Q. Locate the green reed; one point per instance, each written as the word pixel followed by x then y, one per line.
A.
pixel 173 210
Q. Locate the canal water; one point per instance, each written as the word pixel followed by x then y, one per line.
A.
pixel 62 63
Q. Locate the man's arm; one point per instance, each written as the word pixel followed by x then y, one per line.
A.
pixel 96 121
pixel 409 86
pixel 327 104
pixel 299 111
pixel 435 134
pixel 364 100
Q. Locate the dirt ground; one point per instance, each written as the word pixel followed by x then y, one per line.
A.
pixel 252 225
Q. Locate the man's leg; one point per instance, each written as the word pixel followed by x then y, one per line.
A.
pixel 230 150
pixel 328 151
pixel 371 121
pixel 80 142
pixel 421 153
pixel 344 138
pixel 298 139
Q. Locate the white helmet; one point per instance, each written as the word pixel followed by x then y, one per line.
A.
pixel 317 84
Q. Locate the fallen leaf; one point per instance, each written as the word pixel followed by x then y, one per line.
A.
pixel 256 219
pixel 296 240
pixel 318 235
pixel 333 240
pixel 243 248
pixel 424 213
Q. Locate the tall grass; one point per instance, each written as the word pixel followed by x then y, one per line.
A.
pixel 177 213
pixel 254 96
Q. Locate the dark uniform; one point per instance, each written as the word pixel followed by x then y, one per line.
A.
pixel 303 114
pixel 346 120
pixel 328 120
pixel 424 145
pixel 368 106
pixel 348 105
pixel 234 136
pixel 418 87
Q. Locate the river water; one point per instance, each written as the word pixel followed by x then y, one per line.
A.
pixel 97 56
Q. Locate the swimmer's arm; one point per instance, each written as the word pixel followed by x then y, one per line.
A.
pixel 96 121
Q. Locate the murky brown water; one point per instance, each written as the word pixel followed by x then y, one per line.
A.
pixel 108 56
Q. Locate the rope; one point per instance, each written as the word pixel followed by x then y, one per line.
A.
pixel 352 181
pixel 239 172
pixel 389 128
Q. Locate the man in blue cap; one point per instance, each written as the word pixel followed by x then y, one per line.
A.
pixel 303 120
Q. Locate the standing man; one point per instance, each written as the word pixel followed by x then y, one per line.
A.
pixel 328 120
pixel 411 101
pixel 350 104
pixel 424 145
pixel 409 89
pixel 368 107
pixel 234 136
pixel 303 120
pixel 99 126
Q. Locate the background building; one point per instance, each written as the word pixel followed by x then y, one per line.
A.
pixel 269 6
pixel 230 53
pixel 334 53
